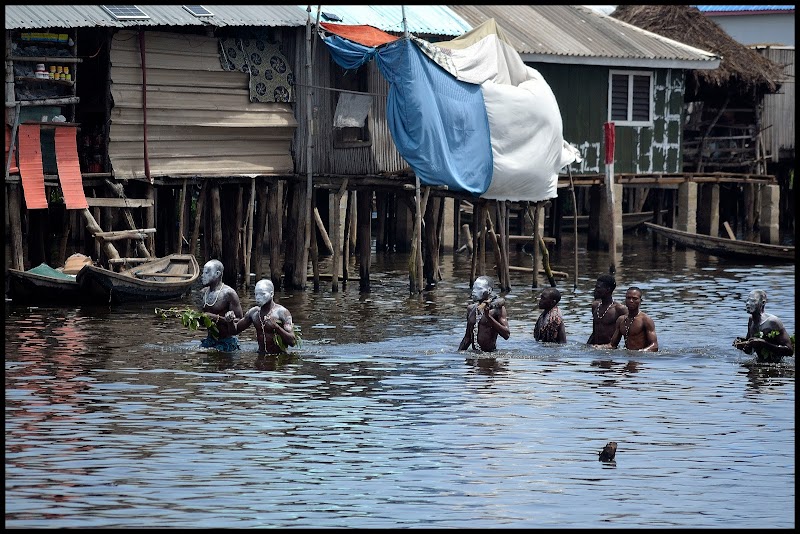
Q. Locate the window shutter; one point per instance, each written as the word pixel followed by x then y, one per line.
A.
pixel 619 98
pixel 641 99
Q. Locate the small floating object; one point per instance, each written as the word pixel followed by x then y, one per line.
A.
pixel 608 452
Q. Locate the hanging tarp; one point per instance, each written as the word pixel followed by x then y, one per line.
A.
pixel 468 114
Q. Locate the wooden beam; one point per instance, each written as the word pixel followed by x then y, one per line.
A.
pixel 119 202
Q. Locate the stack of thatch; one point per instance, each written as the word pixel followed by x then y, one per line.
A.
pixel 741 69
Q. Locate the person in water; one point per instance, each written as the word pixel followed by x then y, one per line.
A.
pixel 550 325
pixel 766 335
pixel 605 311
pixel 219 299
pixel 273 322
pixel 637 328
pixel 486 318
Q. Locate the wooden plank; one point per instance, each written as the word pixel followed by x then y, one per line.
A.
pixel 729 230
pixel 124 234
pixel 129 260
pixel 165 275
pixel 119 202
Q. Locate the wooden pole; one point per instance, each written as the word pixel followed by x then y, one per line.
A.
pixel 275 212
pixel 15 216
pixel 248 246
pixel 321 229
pixel 314 246
pixel 309 155
pixel 574 226
pixel 216 225
pixel 94 228
pixel 181 215
pixel 348 215
pixel 610 140
pixel 337 240
pixel 198 217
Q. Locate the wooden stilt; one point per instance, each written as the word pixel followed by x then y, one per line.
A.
pixel 248 245
pixel 15 215
pixel 181 215
pixel 260 230
pixel 275 215
pixel 364 238
pixel 94 228
pixel 314 246
pixel 198 217
pixel 498 254
pixel 216 224
pixel 337 240
pixel 346 245
pixel 536 237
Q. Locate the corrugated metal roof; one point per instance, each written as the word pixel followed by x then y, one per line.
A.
pixel 579 35
pixel 744 10
pixel 420 19
pixel 81 16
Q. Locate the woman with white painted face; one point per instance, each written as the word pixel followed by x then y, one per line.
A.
pixel 273 322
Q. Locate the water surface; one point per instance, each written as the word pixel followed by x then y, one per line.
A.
pixel 116 418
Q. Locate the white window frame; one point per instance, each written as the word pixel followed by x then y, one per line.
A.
pixel 651 104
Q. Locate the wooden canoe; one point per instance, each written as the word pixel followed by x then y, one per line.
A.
pixel 727 248
pixel 43 286
pixel 629 220
pixel 164 278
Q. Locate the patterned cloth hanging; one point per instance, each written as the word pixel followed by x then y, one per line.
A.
pixel 271 79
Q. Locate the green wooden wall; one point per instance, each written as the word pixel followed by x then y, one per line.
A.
pixel 582 94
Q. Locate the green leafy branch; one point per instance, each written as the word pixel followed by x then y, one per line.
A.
pixel 279 340
pixel 192 319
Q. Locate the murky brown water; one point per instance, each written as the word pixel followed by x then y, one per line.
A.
pixel 115 418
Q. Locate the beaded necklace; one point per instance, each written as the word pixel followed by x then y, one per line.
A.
pixel 628 327
pixel 597 311
pixel 478 317
pixel 216 296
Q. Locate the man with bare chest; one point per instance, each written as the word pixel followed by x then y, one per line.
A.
pixel 605 311
pixel 218 300
pixel 273 322
pixel 486 318
pixel 637 328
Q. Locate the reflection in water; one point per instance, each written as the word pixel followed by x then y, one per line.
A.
pixel 117 419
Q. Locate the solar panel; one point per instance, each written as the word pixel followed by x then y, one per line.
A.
pixel 198 11
pixel 331 16
pixel 125 12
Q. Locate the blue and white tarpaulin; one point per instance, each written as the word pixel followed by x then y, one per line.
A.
pixel 469 114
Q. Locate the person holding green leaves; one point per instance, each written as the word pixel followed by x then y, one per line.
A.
pixel 273 322
pixel 766 335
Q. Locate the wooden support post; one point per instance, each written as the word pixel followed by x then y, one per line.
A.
pixel 346 241
pixel 181 214
pixel 321 229
pixel 313 245
pixel 498 254
pixel 364 238
pixel 216 224
pixel 536 237
pixel 248 244
pixel 337 240
pixel 198 217
pixel 260 230
pixel 275 216
pixel 150 216
pixel 117 189
pixel 94 228
pixel 15 215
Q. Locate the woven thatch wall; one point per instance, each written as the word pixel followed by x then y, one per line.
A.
pixel 741 69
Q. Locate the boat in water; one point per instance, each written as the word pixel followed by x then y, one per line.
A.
pixel 164 278
pixel 727 248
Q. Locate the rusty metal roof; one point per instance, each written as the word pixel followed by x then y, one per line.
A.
pixel 579 35
pixel 30 16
